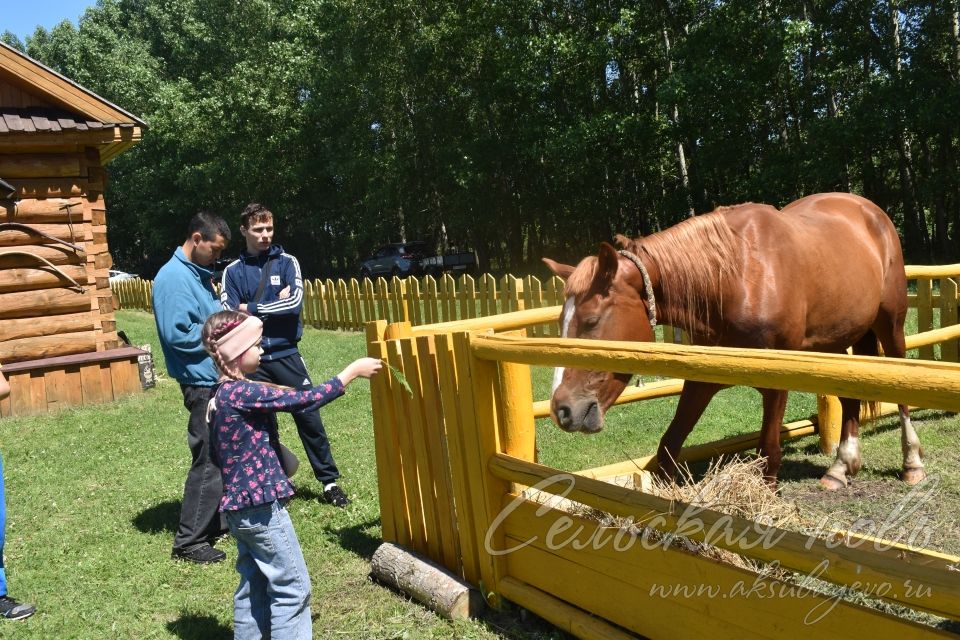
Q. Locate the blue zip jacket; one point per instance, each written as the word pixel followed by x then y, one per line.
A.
pixel 282 328
pixel 183 298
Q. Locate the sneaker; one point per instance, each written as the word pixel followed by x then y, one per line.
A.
pixel 201 554
pixel 334 495
pixel 13 610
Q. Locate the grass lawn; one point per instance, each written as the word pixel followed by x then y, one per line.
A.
pixel 93 497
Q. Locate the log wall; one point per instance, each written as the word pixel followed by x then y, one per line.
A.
pixel 55 298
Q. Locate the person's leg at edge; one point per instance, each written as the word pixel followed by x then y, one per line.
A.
pixel 3 530
pixel 9 608
pixel 200 521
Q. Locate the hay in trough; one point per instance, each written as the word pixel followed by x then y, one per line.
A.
pixel 735 486
pixel 732 485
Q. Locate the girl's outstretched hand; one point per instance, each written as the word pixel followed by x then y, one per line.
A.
pixel 360 368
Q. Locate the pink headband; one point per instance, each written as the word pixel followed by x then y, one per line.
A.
pixel 235 342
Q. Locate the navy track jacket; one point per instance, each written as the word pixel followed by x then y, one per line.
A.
pixel 281 318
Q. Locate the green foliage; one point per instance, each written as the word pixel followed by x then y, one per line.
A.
pixel 524 129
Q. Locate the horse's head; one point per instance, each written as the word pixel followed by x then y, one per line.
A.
pixel 605 301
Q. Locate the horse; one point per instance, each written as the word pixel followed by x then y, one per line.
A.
pixel 822 274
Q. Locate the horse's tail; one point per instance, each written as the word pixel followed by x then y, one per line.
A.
pixel 868 345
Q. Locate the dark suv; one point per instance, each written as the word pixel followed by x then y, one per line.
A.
pixel 397 259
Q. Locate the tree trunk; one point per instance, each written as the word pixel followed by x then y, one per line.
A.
pixel 915 231
pixel 675 116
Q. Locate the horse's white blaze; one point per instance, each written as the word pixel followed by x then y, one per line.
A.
pixel 568 308
pixel 909 442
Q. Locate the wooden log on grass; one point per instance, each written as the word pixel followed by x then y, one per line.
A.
pixel 425 582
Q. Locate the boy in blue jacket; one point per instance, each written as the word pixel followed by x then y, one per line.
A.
pixel 266 282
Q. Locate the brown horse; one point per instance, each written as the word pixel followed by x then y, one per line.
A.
pixel 823 274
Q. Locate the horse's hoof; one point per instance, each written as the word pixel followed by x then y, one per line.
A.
pixel 832 483
pixel 914 476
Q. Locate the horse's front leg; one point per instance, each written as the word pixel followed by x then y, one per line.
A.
pixel 694 399
pixel 913 469
pixel 774 406
pixel 847 463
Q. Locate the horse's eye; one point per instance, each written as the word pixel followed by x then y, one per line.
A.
pixel 590 323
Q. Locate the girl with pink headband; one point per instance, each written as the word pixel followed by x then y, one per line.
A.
pixel 273 598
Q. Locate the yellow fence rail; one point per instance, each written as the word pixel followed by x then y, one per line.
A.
pixel 350 304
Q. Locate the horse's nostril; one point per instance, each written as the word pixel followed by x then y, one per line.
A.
pixel 564 416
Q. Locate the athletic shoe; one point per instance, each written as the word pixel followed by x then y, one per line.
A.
pixel 201 554
pixel 13 610
pixel 335 496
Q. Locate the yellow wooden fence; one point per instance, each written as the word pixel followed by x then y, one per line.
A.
pixel 350 304
pixel 455 447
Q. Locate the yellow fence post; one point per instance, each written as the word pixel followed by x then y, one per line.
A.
pixel 330 304
pixel 393 520
pixel 481 431
pixel 533 299
pixel 414 311
pixel 829 423
pixel 925 313
pixel 439 454
pixel 519 430
pixel 948 317
pixel 467 297
pixel 488 295
pixel 356 309
pixel 462 456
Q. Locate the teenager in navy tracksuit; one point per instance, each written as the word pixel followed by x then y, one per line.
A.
pixel 263 267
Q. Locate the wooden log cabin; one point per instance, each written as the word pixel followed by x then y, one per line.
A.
pixel 58 336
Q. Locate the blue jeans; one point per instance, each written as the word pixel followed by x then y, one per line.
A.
pixel 3 530
pixel 273 598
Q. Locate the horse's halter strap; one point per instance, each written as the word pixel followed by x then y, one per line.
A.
pixel 651 303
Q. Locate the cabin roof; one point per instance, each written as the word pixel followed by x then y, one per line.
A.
pixel 48 120
pixel 63 98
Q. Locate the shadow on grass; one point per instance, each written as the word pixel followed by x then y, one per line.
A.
pixel 191 626
pixel 161 518
pixel 516 623
pixel 357 539
pixel 800 470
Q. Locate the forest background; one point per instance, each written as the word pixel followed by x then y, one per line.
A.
pixel 518 128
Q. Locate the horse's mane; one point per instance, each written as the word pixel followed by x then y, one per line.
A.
pixel 695 258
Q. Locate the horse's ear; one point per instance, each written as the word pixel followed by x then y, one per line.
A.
pixel 562 270
pixel 622 241
pixel 608 261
